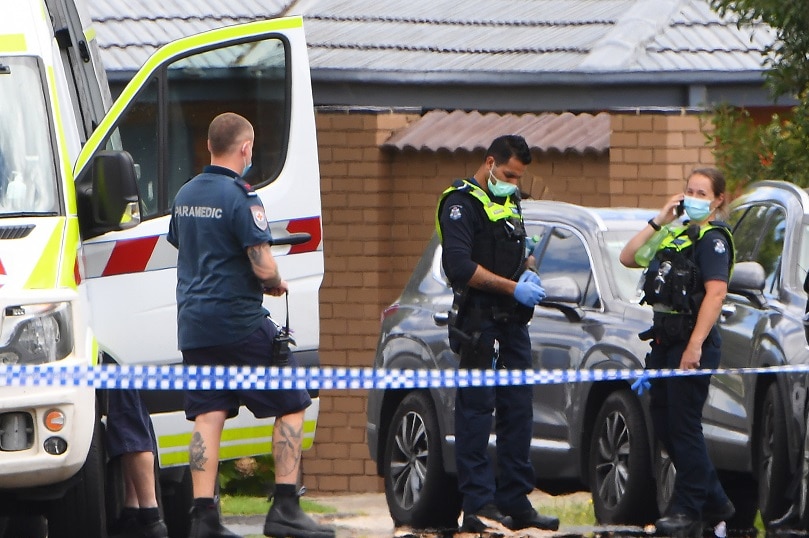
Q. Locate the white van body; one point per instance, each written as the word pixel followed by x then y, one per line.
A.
pixel 86 274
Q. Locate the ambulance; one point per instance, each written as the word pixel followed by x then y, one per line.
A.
pixel 86 273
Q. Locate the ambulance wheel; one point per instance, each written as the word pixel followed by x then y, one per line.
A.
pixel 419 492
pixel 177 494
pixel 620 463
pixel 81 513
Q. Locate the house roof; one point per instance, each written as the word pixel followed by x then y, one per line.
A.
pixel 503 55
pixel 470 131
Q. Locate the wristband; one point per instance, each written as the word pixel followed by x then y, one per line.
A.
pixel 655 226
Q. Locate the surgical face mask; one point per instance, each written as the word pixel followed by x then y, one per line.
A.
pixel 500 188
pixel 247 164
pixel 697 209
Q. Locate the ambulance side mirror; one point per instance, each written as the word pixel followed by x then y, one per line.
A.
pixel 107 194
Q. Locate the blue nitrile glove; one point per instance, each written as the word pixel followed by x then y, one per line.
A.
pixel 528 293
pixel 642 383
pixel 530 276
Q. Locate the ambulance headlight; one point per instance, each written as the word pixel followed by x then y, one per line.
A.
pixel 35 334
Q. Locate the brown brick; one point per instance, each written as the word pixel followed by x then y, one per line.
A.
pixel 638 123
pixel 332 483
pixel 365 484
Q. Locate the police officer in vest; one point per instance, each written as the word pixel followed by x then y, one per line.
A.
pixel 686 282
pixel 496 289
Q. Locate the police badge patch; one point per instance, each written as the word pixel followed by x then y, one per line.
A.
pixel 718 246
pixel 259 218
pixel 455 212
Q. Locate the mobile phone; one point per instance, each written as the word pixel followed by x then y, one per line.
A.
pixel 680 209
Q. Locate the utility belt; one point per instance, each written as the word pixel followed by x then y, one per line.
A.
pixel 466 320
pixel 670 328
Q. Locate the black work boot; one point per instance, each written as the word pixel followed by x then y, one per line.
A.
pixel 205 523
pixel 533 519
pixel 287 519
pixel 483 520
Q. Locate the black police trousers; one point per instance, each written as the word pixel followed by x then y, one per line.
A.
pixel 514 415
pixel 676 406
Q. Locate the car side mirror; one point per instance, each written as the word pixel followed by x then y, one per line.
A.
pixel 564 294
pixel 747 280
pixel 107 194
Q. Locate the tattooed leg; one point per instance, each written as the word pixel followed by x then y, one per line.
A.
pixel 286 447
pixel 203 452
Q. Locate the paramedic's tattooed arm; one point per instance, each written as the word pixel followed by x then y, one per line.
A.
pixel 487 281
pixel 196 453
pixel 264 266
pixel 286 447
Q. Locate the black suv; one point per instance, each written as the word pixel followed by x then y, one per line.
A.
pixel 597 435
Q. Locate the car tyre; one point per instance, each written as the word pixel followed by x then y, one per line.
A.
pixel 803 494
pixel 773 458
pixel 418 490
pixel 620 463
pixel 665 476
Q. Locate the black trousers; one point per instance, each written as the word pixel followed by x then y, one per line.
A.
pixel 676 407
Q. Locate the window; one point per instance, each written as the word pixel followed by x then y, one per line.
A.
pixel 566 255
pixel 251 79
pixel 759 236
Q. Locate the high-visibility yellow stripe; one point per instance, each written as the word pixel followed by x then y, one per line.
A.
pixel 45 271
pixel 89 34
pixel 12 43
pixel 67 278
pixel 70 192
pixel 230 451
pixel 166 53
pixel 94 353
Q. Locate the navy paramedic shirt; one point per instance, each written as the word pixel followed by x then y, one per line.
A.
pixel 215 218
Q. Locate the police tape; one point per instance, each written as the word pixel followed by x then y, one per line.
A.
pixel 179 377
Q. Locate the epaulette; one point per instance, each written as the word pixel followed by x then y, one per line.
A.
pixel 461 185
pixel 245 186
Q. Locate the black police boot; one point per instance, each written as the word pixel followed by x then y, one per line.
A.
pixel 535 520
pixel 287 519
pixel 482 520
pixel 713 516
pixel 205 523
pixel 679 526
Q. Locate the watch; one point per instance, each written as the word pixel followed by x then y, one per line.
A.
pixel 654 225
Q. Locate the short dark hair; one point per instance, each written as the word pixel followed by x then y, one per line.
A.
pixel 505 147
pixel 227 131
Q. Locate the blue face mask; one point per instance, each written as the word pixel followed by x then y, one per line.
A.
pixel 498 188
pixel 246 168
pixel 696 208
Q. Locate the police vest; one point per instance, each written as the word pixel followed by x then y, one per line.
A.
pixel 673 280
pixel 501 248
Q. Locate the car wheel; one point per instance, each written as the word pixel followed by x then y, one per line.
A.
pixel 665 475
pixel 620 463
pixel 418 490
pixel 803 494
pixel 773 459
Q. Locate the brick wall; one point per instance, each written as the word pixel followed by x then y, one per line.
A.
pixel 378 214
pixel 651 156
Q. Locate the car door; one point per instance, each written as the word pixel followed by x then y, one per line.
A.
pixel 259 70
pixel 558 343
pixel 758 232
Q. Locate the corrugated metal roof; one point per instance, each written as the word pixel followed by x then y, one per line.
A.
pixel 441 130
pixel 457 36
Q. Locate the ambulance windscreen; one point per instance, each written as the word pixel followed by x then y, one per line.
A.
pixel 28 181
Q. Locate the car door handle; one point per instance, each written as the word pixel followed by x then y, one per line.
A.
pixel 728 310
pixel 441 318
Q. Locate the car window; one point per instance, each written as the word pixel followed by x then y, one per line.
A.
pixel 566 255
pixel 747 224
pixel 803 256
pixel 758 236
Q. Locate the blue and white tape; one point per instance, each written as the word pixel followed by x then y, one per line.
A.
pixel 271 378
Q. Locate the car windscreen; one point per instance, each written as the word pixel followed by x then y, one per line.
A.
pixel 627 280
pixel 27 173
